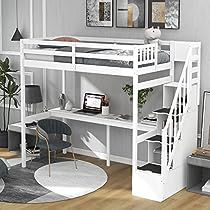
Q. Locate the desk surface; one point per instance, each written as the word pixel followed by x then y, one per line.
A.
pixel 110 120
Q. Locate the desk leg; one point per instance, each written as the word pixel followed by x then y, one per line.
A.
pixel 65 139
pixel 108 145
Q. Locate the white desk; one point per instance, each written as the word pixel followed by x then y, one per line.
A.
pixel 108 121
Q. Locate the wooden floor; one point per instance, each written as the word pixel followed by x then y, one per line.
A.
pixel 116 195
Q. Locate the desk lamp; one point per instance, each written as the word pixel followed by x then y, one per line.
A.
pixel 32 96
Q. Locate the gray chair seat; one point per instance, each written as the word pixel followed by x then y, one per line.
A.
pixel 54 145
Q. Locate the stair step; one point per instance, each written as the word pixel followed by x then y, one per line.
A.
pixel 162 111
pixel 165 111
pixel 158 139
pixel 151 167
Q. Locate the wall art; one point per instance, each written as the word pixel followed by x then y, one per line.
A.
pixel 130 13
pixel 164 13
pixel 99 13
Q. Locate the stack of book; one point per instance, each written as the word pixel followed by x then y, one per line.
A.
pixel 206 187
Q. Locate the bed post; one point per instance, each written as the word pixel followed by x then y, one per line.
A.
pixel 44 34
pixel 135 114
pixel 31 19
pixel 23 130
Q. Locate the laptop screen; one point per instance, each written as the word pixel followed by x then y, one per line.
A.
pixel 92 102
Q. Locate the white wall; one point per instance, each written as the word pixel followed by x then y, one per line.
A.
pixel 67 17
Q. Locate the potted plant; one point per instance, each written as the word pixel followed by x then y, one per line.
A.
pixel 9 91
pixel 142 94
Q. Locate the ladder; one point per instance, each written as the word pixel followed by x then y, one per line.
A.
pixel 172 139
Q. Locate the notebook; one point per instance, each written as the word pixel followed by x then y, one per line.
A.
pixel 92 103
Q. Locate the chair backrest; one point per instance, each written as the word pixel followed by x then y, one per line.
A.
pixel 52 126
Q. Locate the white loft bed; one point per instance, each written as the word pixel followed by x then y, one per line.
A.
pixel 144 60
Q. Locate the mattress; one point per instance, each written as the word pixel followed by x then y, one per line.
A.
pixel 163 57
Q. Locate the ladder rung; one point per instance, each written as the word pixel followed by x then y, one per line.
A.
pixel 195 70
pixel 194 81
pixel 158 139
pixel 154 82
pixel 174 84
pixel 195 58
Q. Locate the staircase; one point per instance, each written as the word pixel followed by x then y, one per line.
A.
pixel 174 137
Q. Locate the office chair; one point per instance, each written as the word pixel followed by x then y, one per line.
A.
pixel 47 138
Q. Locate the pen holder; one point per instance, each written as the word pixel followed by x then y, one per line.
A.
pixel 105 110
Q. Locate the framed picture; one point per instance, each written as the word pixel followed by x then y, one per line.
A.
pixel 205 135
pixel 99 13
pixel 164 14
pixel 130 13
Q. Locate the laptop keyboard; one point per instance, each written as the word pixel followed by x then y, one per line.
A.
pixel 85 112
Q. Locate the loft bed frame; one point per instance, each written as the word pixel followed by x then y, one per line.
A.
pixel 145 61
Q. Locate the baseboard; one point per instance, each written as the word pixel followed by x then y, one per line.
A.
pixel 102 156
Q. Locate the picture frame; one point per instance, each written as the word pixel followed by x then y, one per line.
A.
pixel 99 13
pixel 164 14
pixel 130 13
pixel 205 123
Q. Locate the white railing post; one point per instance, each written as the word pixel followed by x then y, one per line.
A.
pixel 74 56
pixel 23 130
pixel 199 74
pixel 135 109
pixel 184 91
pixel 164 154
pixel 171 134
pixel 189 75
pixel 172 57
pixel 175 116
pixel 180 109
pixel 156 55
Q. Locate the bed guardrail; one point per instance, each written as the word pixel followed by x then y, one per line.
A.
pixel 137 56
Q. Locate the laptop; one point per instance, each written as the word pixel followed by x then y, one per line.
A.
pixel 92 103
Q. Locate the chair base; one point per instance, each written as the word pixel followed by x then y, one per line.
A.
pixel 52 156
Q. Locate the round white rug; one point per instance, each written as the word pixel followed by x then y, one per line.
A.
pixel 70 182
